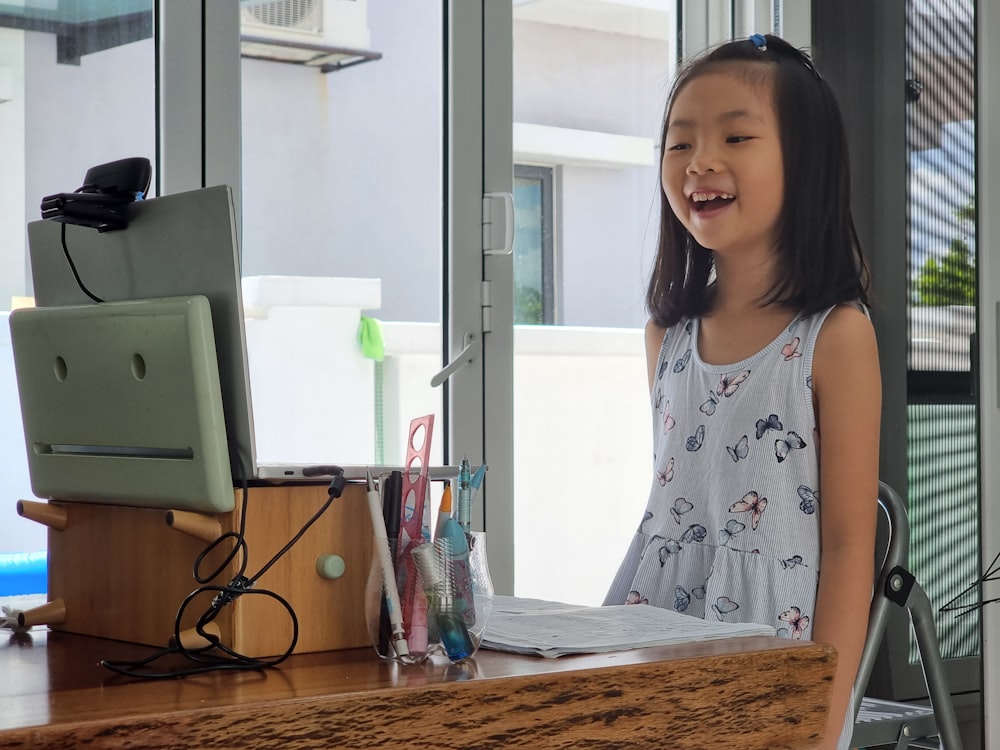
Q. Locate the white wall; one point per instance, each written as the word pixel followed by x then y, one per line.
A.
pixel 342 172
pixel 12 160
pixel 16 533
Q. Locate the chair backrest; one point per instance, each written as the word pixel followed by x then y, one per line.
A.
pixel 892 551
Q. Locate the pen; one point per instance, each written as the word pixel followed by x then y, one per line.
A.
pixel 391 501
pixel 393 509
pixel 465 495
pixel 444 511
pixel 388 569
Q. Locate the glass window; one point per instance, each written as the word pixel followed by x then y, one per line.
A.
pixel 941 237
pixel 342 202
pixel 590 80
pixel 77 89
pixel 534 282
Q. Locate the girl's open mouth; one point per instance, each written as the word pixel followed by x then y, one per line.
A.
pixel 709 201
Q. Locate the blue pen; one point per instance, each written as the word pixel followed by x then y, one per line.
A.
pixel 465 495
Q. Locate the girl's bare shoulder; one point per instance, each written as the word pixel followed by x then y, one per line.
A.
pixel 846 343
pixel 845 326
pixel 654 336
pixel 654 341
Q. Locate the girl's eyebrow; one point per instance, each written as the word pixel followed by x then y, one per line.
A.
pixel 725 117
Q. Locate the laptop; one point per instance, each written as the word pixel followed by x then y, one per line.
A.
pixel 177 245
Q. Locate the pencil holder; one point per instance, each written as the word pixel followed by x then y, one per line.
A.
pixel 395 605
pixel 482 585
pixel 444 596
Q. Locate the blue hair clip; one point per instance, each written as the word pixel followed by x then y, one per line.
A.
pixel 759 41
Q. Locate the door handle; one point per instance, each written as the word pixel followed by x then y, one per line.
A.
pixel 472 347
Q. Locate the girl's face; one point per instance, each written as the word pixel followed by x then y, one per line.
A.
pixel 722 169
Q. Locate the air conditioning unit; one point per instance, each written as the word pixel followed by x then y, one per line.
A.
pixel 324 33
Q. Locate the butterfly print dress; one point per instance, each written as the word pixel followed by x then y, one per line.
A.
pixel 731 529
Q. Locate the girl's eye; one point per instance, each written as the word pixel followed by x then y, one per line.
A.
pixel 678 147
pixel 737 138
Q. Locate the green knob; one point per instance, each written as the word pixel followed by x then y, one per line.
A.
pixel 330 566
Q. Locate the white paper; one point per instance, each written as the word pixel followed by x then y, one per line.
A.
pixel 532 626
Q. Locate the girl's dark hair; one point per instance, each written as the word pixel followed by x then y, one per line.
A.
pixel 818 245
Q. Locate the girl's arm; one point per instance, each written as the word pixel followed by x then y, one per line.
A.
pixel 654 341
pixel 847 387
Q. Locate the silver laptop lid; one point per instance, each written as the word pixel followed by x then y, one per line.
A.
pixel 178 245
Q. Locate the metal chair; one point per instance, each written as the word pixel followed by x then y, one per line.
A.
pixel 881 722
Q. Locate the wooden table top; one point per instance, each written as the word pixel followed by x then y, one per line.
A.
pixel 742 693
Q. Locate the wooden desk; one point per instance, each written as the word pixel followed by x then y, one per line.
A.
pixel 741 693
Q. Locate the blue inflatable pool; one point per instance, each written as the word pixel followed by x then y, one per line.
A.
pixel 23 573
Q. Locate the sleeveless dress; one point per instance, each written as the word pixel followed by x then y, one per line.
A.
pixel 731 529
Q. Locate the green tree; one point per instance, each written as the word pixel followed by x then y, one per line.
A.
pixel 528 307
pixel 952 280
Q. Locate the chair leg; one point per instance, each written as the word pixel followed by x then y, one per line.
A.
pixel 922 617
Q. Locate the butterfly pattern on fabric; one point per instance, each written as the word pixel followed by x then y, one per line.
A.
pixel 797 623
pixel 670 547
pixel 808 498
pixel 681 506
pixel 771 423
pixel 695 442
pixel 784 446
pixel 730 382
pixel 724 606
pixel 791 562
pixel 733 527
pixel 634 597
pixel 740 450
pixel 753 504
pixel 667 474
pixel 737 539
pixel 682 362
pixel 668 421
pixel 791 349
pixel 682 598
pixel 709 406
pixel 694 533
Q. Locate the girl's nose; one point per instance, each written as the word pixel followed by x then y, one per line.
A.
pixel 703 161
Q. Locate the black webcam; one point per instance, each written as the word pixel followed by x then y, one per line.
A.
pixel 102 201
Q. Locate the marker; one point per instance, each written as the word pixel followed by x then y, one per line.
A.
pixel 447 611
pixel 388 570
pixel 455 545
pixel 444 511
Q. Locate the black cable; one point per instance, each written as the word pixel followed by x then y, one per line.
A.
pixel 240 585
pixel 72 266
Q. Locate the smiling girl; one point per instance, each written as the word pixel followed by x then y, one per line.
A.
pixel 763 366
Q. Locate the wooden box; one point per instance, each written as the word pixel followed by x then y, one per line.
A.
pixel 122 573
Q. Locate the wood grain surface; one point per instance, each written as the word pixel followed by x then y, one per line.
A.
pixel 742 693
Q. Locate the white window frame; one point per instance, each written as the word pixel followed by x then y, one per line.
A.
pixel 480 401
pixel 198 95
pixel 199 103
